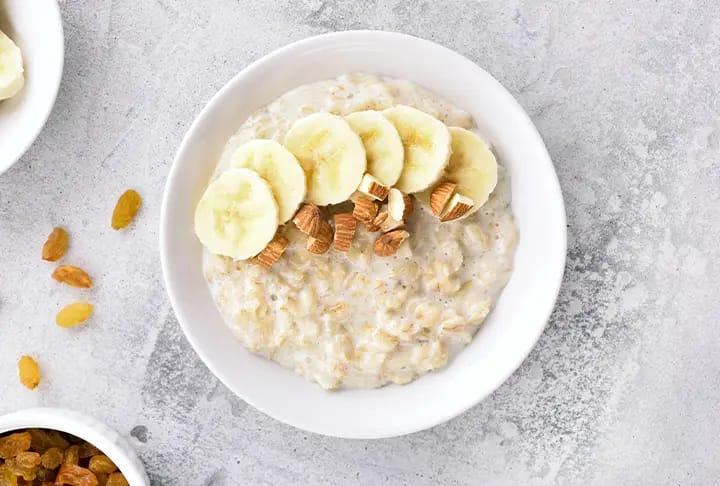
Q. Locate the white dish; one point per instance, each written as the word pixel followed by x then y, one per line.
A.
pixel 510 331
pixel 36 27
pixel 85 427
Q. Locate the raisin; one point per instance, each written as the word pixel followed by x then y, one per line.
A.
pixel 56 439
pixel 74 314
pixel 116 479
pixel 27 473
pixel 72 475
pixel 125 209
pixel 72 456
pixel 52 458
pixel 102 464
pixel 13 444
pixel 102 479
pixel 88 450
pixel 29 372
pixel 56 245
pixel 7 478
pixel 73 276
pixel 28 459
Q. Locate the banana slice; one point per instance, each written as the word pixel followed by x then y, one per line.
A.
pixel 426 142
pixel 11 68
pixel 279 168
pixel 383 145
pixel 330 153
pixel 237 216
pixel 472 167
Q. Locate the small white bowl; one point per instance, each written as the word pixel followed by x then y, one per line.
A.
pixel 36 27
pixel 87 428
pixel 510 331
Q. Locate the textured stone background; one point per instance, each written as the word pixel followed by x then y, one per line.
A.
pixel 623 387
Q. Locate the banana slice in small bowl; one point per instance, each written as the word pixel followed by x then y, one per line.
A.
pixel 31 65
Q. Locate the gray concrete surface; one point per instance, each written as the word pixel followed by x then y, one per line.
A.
pixel 624 385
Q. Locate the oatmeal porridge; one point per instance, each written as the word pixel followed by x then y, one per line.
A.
pixel 382 297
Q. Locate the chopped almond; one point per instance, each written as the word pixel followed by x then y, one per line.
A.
pixel 400 205
pixel 389 243
pixel 373 188
pixel 273 251
pixel 308 219
pixel 377 222
pixel 345 227
pixel 440 196
pixel 322 241
pixel 365 209
pixel 458 206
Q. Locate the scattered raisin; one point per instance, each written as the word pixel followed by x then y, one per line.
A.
pixel 125 209
pixel 72 475
pixel 29 372
pixel 73 276
pixel 56 245
pixel 74 314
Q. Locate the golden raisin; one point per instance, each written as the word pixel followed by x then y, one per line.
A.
pixel 52 458
pixel 125 209
pixel 72 475
pixel 7 478
pixel 27 473
pixel 116 479
pixel 56 439
pixel 56 245
pixel 74 314
pixel 72 456
pixel 88 450
pixel 102 479
pixel 13 444
pixel 73 276
pixel 29 372
pixel 28 459
pixel 101 464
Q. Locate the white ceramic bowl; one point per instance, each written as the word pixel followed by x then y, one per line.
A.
pixel 85 427
pixel 510 331
pixel 36 27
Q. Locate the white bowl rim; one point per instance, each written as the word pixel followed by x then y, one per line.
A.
pixel 174 173
pixel 87 428
pixel 21 149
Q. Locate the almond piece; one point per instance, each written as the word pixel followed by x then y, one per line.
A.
pixel 373 188
pixel 390 224
pixel 273 251
pixel 320 243
pixel 400 205
pixel 345 227
pixel 377 222
pixel 308 219
pixel 365 209
pixel 389 243
pixel 458 206
pixel 440 196
pixel 73 276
